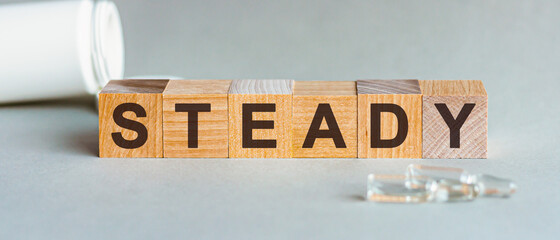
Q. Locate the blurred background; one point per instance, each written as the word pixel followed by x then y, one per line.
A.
pixel 498 40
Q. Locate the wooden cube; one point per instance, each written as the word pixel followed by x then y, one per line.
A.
pixel 195 119
pixel 389 119
pixel 325 119
pixel 260 119
pixel 455 119
pixel 130 119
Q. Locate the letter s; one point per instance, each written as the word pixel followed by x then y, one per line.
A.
pixel 131 125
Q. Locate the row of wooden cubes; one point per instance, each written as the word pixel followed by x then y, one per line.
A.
pixel 286 118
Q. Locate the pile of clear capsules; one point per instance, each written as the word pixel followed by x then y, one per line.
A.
pixel 423 184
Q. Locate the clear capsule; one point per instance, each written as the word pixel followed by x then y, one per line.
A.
pixel 395 189
pixel 452 191
pixel 399 189
pixel 416 170
pixel 494 186
pixel 484 184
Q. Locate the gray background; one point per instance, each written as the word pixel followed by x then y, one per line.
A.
pixel 53 185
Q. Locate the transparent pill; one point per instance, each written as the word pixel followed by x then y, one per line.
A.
pixel 486 185
pixel 398 189
pixel 452 191
pixel 494 186
pixel 395 189
pixel 456 174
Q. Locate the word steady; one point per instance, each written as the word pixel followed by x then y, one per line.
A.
pixel 284 119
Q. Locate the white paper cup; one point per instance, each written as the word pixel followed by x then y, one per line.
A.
pixel 58 49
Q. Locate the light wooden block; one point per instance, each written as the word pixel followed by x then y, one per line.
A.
pixel 325 119
pixel 266 132
pixel 460 101
pixel 195 119
pixel 404 98
pixel 130 119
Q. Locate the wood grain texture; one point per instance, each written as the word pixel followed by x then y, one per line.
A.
pixel 196 87
pixel 265 92
pixel 144 93
pixel 342 99
pixel 324 88
pixel 436 133
pixel 397 92
pixel 452 88
pixel 261 86
pixel 135 86
pixel 212 126
pixel 404 86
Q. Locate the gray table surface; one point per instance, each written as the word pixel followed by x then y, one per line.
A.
pixel 53 185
